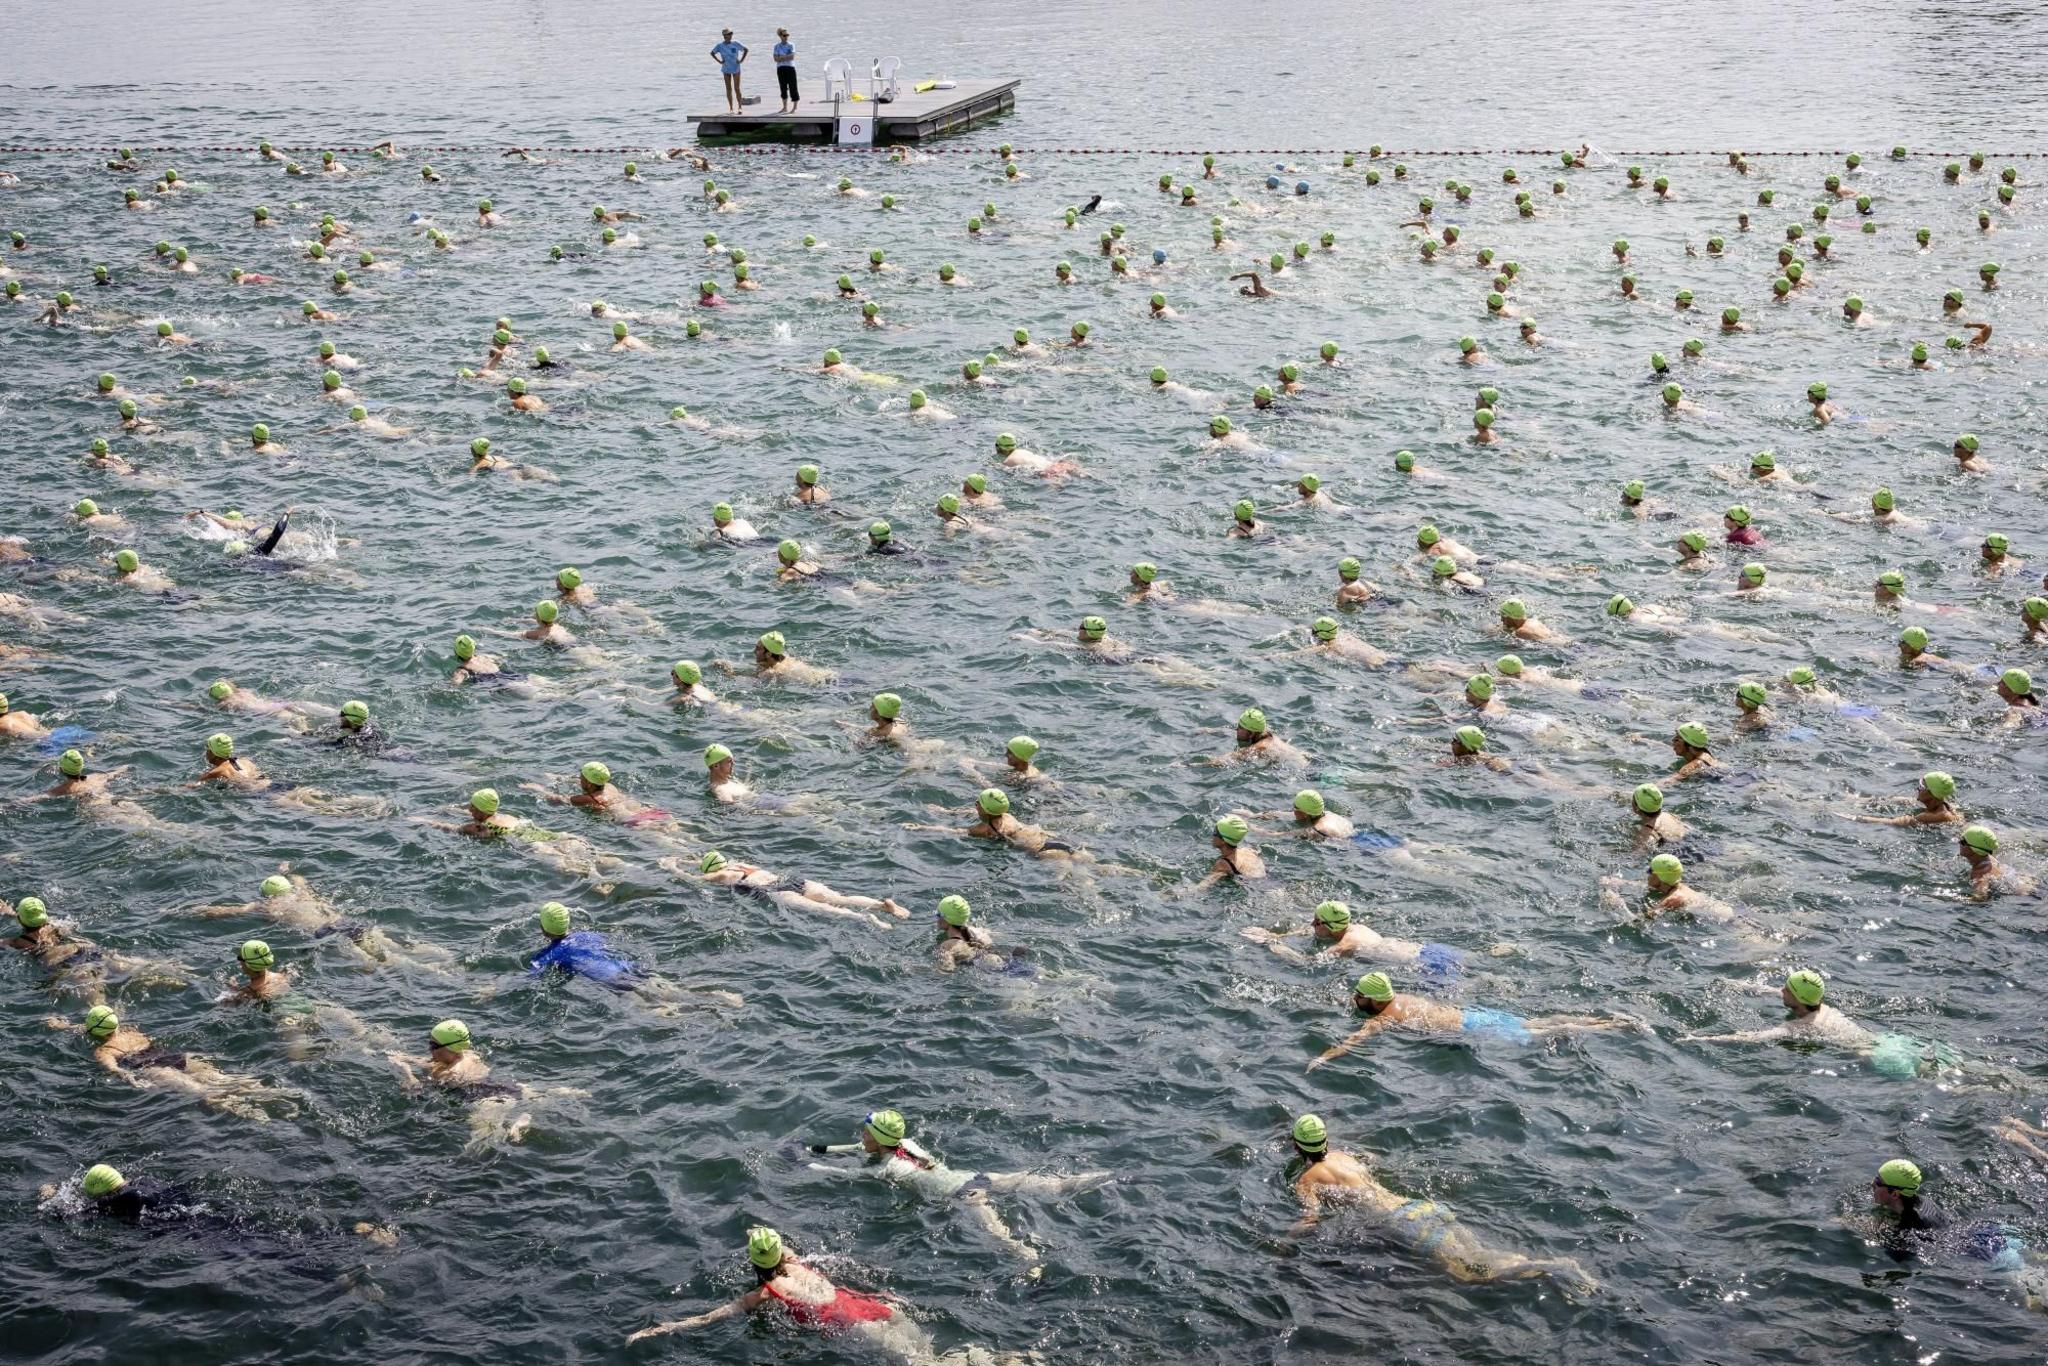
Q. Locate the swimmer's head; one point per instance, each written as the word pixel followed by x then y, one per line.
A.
pixel 71 763
pixel 1468 740
pixel 484 801
pixel 1219 426
pixel 686 672
pixel 1648 799
pixel 1621 605
pixel 1093 628
pixel 256 955
pixel 1978 839
pixel 127 561
pixel 714 755
pixel 1508 666
pixel 546 611
pixel 220 746
pixel 1251 721
pixel 1022 748
pixel 886 706
pixel 465 648
pixel 1348 569
pixel 355 714
pixel 1324 628
pixel 1633 492
pixel 1750 695
pixel 1913 639
pixel 1666 870
pixel 554 919
pixel 1753 575
pixel 1144 571
pixel 1374 986
pixel 1309 802
pixel 1800 676
pixel 2017 683
pixel 1244 511
pixel 1232 830
pixel 993 801
pixel 1882 500
pixel 955 911
pixel 1938 785
pixel 31 912
pixel 1514 611
pixel 1899 1178
pixel 1806 986
pixel 595 774
pixel 1763 462
pixel 100 1023
pixel 1310 1136
pixel 452 1035
pixel 1692 735
pixel 1404 461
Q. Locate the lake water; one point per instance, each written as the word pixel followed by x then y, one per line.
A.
pixel 1718 1194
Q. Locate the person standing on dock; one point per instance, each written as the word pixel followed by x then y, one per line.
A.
pixel 785 70
pixel 729 55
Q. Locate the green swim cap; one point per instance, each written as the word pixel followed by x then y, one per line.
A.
pixel 832 356
pixel 1635 489
pixel 451 1034
pixel 1325 628
pixel 789 552
pixel 1694 734
pixel 1309 802
pixel 1667 869
pixel 1817 391
pixel 1800 676
pixel 355 714
pixel 1620 605
pixel 554 919
pixel 1914 637
pixel 1980 838
pixel 1901 1176
pixel 773 643
pixel 1253 720
pixel 1374 986
pixel 711 862
pixel 1695 541
pixel 1781 286
pixel 1672 393
pixel 101 1022
pixel 2035 608
pixel 1480 687
pixel 277 884
pixel 870 309
pixel 1335 914
pixel 100 1179
pixel 686 671
pixel 955 911
pixel 85 507
pixel 465 647
pixel 1968 442
pixel 1882 500
pixel 358 413
pixel 1997 542
pixel 993 801
pixel 1348 568
pixel 1471 737
pixel 1328 350
pixel 1094 628
pixel 1513 609
pixel 71 763
pixel 545 611
pixel 1232 830
pixel 1144 571
pixel 1939 785
pixel 1243 509
pixel 2018 681
pixel 1467 345
pixel 220 690
pixel 887 705
pixel 1482 418
pixel 127 561
pixel 1753 574
pixel 1806 986
pixel 1763 460
pixel 1649 799
pixel 1310 1135
pixel 1495 301
pixel 256 954
pixel 31 912
pixel 485 799
pixel 764 1245
pixel 127 407
pixel 1751 694
pixel 1510 666
pixel 220 745
pixel 596 774
pixel 259 434
pixel 1892 579
pixel 1219 425
pixel 1404 461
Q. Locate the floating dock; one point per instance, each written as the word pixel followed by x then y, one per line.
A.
pixel 910 116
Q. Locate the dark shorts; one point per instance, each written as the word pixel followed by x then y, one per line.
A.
pixel 785 80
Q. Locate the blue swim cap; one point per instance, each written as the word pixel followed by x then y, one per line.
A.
pixel 1272 182
pixel 1158 256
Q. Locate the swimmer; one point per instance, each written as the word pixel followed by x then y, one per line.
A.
pixel 287 899
pixel 2034 616
pixel 473 664
pixel 1256 289
pixel 1325 638
pixel 1692 552
pixel 882 1141
pixel 993 821
pixel 1031 462
pixel 1244 520
pixel 453 1063
pixel 74 781
pixel 745 879
pixel 1235 857
pixel 1666 891
pixel 595 792
pixel 1256 742
pixel 809 492
pixel 812 1301
pixel 792 567
pixel 1384 1008
pixel 130 1054
pixel 1753 715
pixel 882 540
pixel 1935 795
pixel 221 766
pixel 1809 1018
pixel 773 660
pixel 1516 621
pixel 726 527
pixel 19 725
pixel 1994 556
pixel 1914 654
pixel 1989 877
pixel 964 944
pixel 1967 459
pixel 1330 1178
pixel 624 340
pixel 1337 933
pixel 1824 412
pixel 1690 743
pixel 583 953
pixel 76 964
pixel 974 492
pixel 262 979
pixel 725 788
pixel 1654 825
pixel 547 628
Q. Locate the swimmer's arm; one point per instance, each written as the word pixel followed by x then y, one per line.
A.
pixel 1218 870
pixel 215 912
pixel 1356 1037
pixel 744 1304
pixel 1983 331
pixel 1746 1036
pixel 837 1149
pixel 1312 1210
pixel 545 795
pixel 939 829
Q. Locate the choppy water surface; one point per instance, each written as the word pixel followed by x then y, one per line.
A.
pixel 1717 1194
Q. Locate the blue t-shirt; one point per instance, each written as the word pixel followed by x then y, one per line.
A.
pixel 728 54
pixel 785 53
pixel 581 954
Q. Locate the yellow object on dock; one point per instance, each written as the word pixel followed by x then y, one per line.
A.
pixel 922 86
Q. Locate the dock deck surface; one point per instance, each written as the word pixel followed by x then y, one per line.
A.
pixel 906 118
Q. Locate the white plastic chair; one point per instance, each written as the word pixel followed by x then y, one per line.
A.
pixel 838 79
pixel 885 77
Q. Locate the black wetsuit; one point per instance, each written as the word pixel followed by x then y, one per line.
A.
pixel 1089 207
pixel 144 1197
